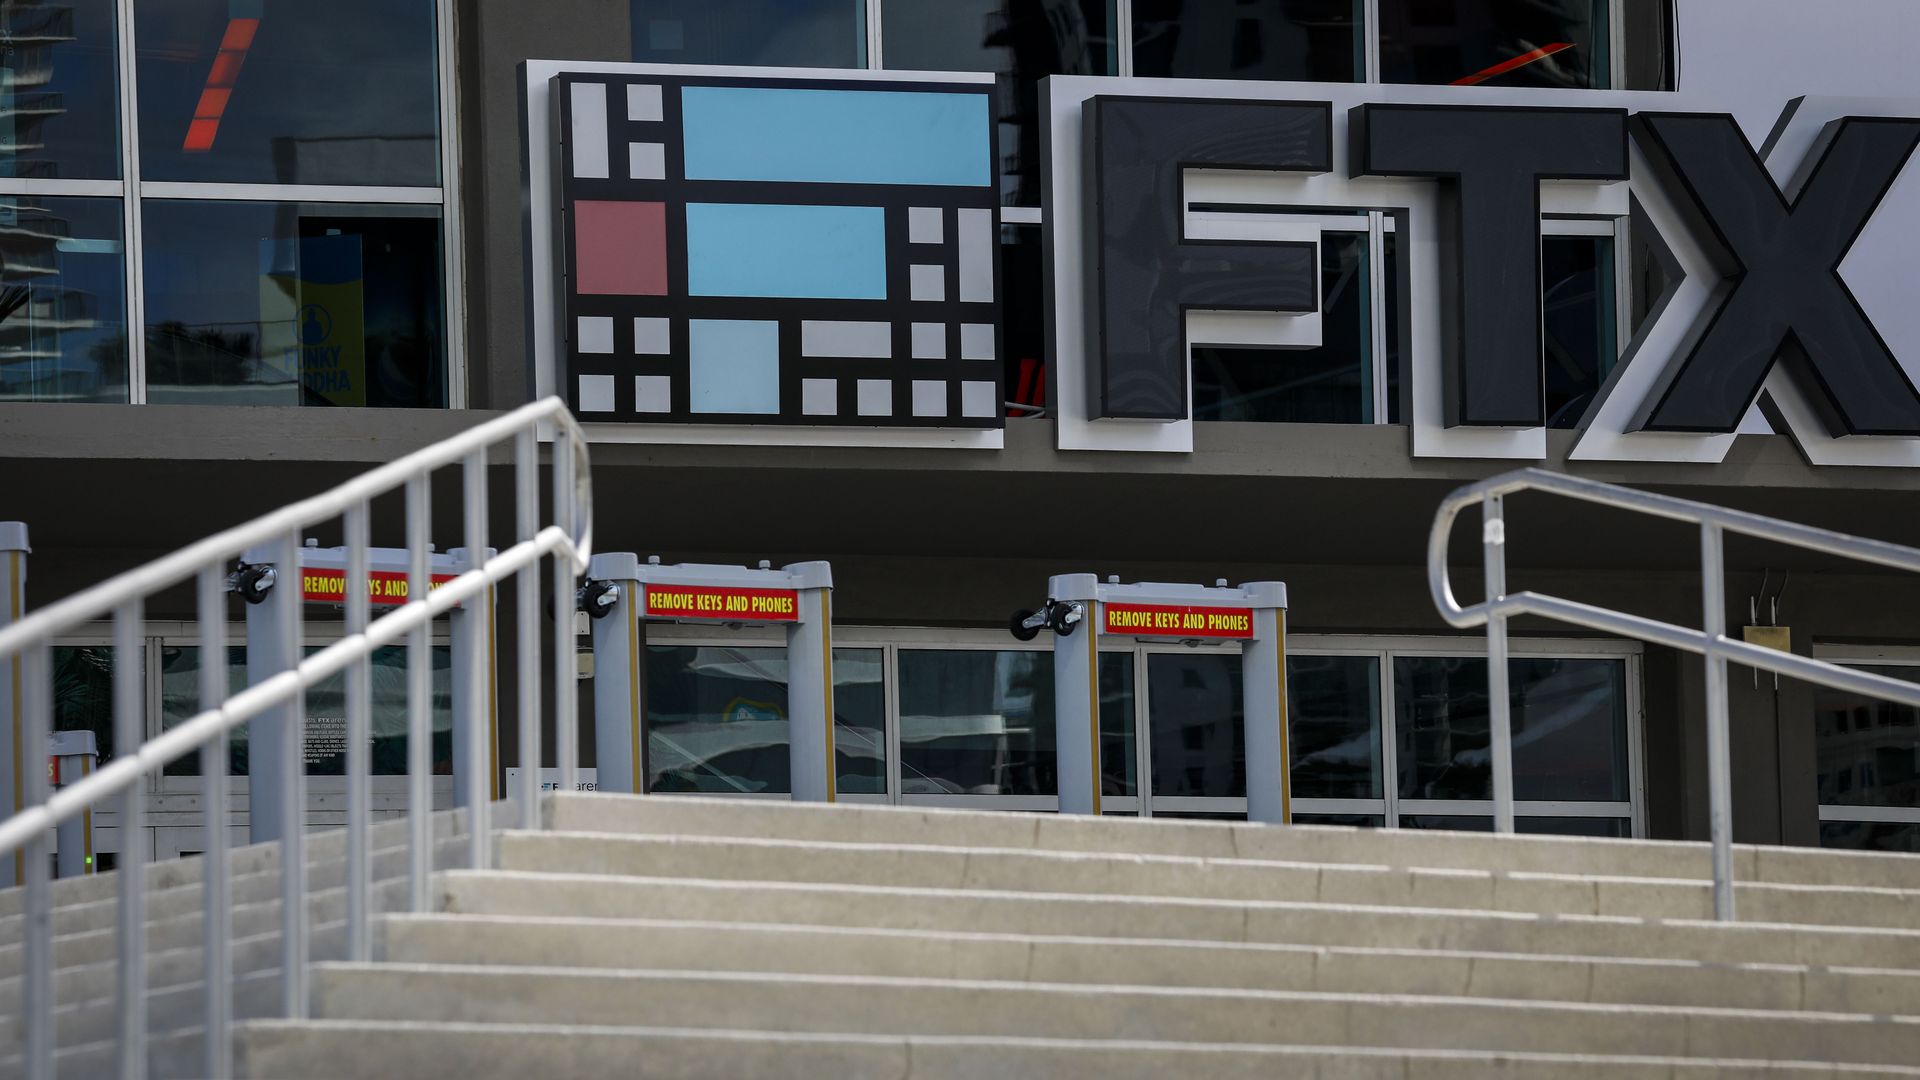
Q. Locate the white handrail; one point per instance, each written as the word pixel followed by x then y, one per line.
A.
pixel 1709 641
pixel 565 540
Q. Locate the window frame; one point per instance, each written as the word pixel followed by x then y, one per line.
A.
pixel 132 192
pixel 1390 807
pixel 1879 656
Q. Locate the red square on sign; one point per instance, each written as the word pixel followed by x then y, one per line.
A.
pixel 620 248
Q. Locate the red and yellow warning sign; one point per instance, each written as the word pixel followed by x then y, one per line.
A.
pixel 383 586
pixel 720 602
pixel 1167 620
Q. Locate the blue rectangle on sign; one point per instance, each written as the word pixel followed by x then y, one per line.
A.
pixel 837 136
pixel 806 252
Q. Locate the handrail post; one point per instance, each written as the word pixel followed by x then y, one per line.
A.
pixel 1493 542
pixel 1719 763
pixel 292 767
pixel 216 923
pixel 131 937
pixel 566 715
pixel 419 701
pixel 526 506
pixel 475 767
pixel 359 762
pixel 36 1015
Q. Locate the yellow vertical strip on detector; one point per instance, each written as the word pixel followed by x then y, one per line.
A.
pixel 826 660
pixel 1092 627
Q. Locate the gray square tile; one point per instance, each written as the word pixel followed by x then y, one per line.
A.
pixel 819 397
pixel 653 393
pixel 596 393
pixel 929 341
pixel 924 225
pixel 595 334
pixel 976 341
pixel 873 397
pixel 652 337
pixel 929 397
pixel 927 282
pixel 977 400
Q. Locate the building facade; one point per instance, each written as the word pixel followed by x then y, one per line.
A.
pixel 255 246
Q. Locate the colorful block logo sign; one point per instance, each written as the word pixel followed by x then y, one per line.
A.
pixel 778 251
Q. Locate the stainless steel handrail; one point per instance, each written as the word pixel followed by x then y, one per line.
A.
pixel 566 540
pixel 1711 640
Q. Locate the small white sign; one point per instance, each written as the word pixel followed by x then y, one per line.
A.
pixel 585 779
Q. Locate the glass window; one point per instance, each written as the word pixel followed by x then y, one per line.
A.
pixel 717 719
pixel 1332 384
pixel 344 92
pixel 1577 317
pixel 1569 720
pixel 1022 41
pixel 63 320
pixel 1363 821
pixel 1119 765
pixel 326 718
pixel 1871 835
pixel 83 693
pixel 1495 42
pixel 60 89
pixel 1196 724
pixel 1333 726
pixel 1549 826
pixel 1023 299
pixel 1867 749
pixel 977 722
pixel 277 303
pixel 789 33
pixel 1292 40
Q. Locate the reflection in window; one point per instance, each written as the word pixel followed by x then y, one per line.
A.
pixel 1569 728
pixel 1023 293
pixel 63 321
pixel 1495 42
pixel 83 693
pixel 779 33
pixel 1119 765
pixel 326 727
pixel 1291 40
pixel 1331 384
pixel 344 92
pixel 1196 724
pixel 1545 826
pixel 1871 835
pixel 1577 317
pixel 1022 41
pixel 1333 726
pixel 1361 821
pixel 59 89
pixel 1867 749
pixel 270 303
pixel 976 722
pixel 716 719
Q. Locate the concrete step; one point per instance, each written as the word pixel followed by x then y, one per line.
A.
pixel 294 1050
pixel 697 816
pixel 323 846
pixel 825 1004
pixel 949 867
pixel 521 893
pixel 253 885
pixel 823 950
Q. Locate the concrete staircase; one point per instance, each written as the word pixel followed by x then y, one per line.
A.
pixel 680 937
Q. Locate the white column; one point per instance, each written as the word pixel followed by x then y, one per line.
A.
pixel 619 692
pixel 1076 696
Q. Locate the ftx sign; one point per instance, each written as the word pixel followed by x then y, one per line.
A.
pixel 1183 214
